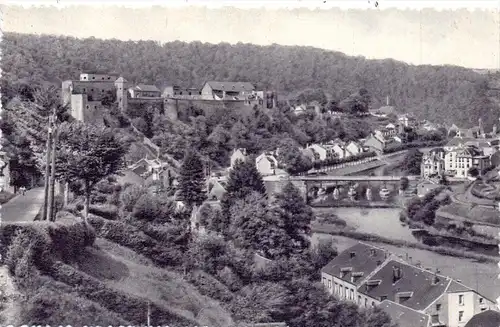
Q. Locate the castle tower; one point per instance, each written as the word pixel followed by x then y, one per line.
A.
pixel 121 85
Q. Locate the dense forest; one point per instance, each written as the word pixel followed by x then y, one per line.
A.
pixel 445 94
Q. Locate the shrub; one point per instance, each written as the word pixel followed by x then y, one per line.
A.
pixel 130 195
pixel 210 286
pixel 106 211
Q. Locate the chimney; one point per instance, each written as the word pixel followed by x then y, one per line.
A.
pixel 396 274
pixel 352 254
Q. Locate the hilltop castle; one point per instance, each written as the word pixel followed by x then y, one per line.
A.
pixel 87 96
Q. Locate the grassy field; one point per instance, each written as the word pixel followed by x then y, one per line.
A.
pixel 62 279
pixel 472 213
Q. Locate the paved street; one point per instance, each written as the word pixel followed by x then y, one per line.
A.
pixel 23 208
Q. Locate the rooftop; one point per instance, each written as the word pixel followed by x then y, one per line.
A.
pixel 402 283
pixel 146 88
pixel 488 318
pixel 404 316
pixel 356 263
pixel 231 86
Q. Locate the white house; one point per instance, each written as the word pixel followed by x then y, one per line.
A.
pixel 266 164
pixel 323 151
pixel 354 148
pixel 238 154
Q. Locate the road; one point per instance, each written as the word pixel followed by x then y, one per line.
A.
pixel 23 208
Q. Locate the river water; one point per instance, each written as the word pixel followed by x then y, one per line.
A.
pixel 379 221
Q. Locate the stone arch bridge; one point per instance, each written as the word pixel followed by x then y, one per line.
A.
pixel 306 184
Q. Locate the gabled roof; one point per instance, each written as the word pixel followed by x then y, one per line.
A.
pixel 457 287
pixel 488 318
pixel 403 316
pixel 456 141
pixel 415 281
pixel 231 86
pixel 146 88
pixel 360 260
pixel 470 151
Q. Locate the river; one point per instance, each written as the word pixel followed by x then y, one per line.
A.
pixel 380 221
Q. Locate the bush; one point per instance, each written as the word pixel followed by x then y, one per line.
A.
pixel 209 286
pixel 105 211
pixel 130 195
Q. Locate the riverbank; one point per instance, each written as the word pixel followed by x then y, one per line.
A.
pixel 335 231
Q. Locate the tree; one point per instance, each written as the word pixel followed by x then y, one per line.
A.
pixel 295 216
pixel 473 172
pixel 412 161
pixel 290 156
pixel 254 227
pixel 87 154
pixel 192 179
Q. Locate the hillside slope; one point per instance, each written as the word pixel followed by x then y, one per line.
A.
pixel 437 93
pixel 59 279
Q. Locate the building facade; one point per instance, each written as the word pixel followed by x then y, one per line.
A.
pixel 369 277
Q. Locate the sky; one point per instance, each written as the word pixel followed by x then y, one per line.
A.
pixel 432 35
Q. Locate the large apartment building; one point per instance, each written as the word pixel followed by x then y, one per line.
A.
pixel 370 276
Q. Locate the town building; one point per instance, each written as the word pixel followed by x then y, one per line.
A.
pixel 266 164
pixel 405 316
pixel 433 162
pixel 354 148
pixel 345 273
pixel 379 143
pixel 407 120
pixel 144 91
pixel 238 91
pixel 216 188
pixel 369 276
pixel 459 161
pixel 322 151
pixel 238 154
pixel 177 92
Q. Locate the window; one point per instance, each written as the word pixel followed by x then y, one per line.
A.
pixel 91 90
pixel 366 302
pixel 460 315
pixel 383 297
pixel 87 107
pixel 352 294
pixel 481 300
pixel 329 284
pixel 438 307
pixel 359 299
pixel 93 77
pixel 336 288
pixel 483 309
pixel 84 90
pixel 460 300
pixel 373 303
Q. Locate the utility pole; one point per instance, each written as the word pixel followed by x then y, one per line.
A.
pixel 47 171
pixel 51 202
pixel 149 315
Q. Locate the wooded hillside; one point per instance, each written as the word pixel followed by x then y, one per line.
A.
pixel 439 93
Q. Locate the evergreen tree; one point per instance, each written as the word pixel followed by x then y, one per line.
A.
pixel 192 180
pixel 295 216
pixel 243 179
